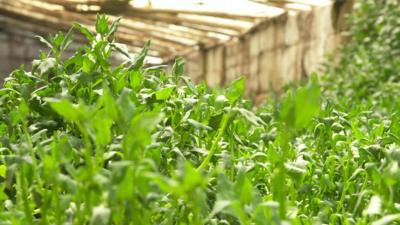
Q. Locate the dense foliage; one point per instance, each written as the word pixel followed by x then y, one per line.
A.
pixel 83 142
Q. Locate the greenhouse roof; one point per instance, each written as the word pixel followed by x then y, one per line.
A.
pixel 174 26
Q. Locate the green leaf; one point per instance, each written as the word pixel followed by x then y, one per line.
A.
pixel 85 31
pixel 250 116
pixel 126 106
pixel 125 189
pixel 44 41
pixel 164 93
pixel 219 206
pixel 58 39
pixel 102 126
pixel 146 121
pixel 23 110
pixel 87 64
pixel 225 188
pixel 122 48
pixel 67 182
pixel 3 195
pixel 114 27
pixel 244 188
pixel 139 59
pixel 236 90
pixel 156 68
pixel 67 40
pixel 299 107
pixel 102 25
pixel 178 68
pixel 307 103
pixel 215 121
pixel 198 125
pixel 192 178
pixel 138 135
pixel 3 170
pixel 136 79
pixel 66 109
pixel 109 103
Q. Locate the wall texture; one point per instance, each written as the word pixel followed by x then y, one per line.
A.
pixel 17 47
pixel 282 49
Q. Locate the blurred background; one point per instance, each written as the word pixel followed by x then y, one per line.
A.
pixel 269 42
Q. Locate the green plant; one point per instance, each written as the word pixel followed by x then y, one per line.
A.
pixel 85 142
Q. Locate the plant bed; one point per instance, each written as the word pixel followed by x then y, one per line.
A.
pixel 83 142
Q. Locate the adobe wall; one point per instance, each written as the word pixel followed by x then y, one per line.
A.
pixel 283 49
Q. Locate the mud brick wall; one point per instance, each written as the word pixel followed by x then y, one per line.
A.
pixel 283 49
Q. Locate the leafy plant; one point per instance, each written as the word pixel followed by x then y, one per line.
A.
pixel 87 142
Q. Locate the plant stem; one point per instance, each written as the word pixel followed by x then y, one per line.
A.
pixel 24 195
pixel 21 179
pixel 216 140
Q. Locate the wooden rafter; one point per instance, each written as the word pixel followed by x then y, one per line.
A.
pixel 257 11
pixel 174 29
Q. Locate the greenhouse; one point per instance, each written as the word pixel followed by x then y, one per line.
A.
pixel 200 112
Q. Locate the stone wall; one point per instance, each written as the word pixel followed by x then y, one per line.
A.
pixel 282 49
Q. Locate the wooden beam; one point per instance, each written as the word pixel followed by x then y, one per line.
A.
pixel 217 24
pixel 211 31
pixel 186 19
pixel 179 8
pixel 54 24
pixel 88 20
pixel 179 30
